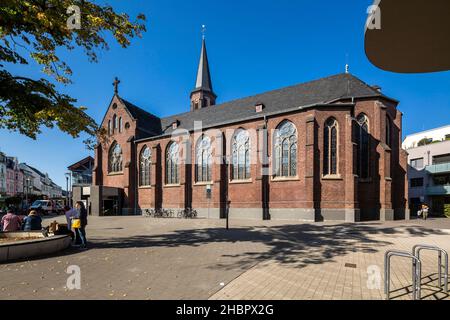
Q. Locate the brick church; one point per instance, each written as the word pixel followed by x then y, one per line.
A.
pixel 328 149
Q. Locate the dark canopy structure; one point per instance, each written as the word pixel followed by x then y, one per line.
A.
pixel 409 36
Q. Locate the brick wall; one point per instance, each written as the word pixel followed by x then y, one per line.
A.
pixel 317 196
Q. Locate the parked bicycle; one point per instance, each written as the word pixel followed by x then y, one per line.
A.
pixel 187 213
pixel 147 213
pixel 168 213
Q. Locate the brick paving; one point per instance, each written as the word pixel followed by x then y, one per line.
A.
pixel 142 258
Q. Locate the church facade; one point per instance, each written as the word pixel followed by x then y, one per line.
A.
pixel 329 149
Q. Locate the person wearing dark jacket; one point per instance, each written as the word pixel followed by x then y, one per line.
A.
pixel 32 222
pixel 81 213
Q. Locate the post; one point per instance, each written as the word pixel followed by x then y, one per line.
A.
pixel 67 189
pixel 440 268
pixel 26 191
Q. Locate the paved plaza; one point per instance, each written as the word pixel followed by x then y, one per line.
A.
pixel 144 258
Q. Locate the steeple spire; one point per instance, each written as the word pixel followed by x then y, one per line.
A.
pixel 203 75
pixel 203 94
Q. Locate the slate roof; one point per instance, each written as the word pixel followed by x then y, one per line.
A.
pixel 146 121
pixel 318 92
pixel 203 82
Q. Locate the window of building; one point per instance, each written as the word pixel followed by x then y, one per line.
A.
pixel 172 155
pixel 115 158
pixel 285 150
pixel 416 182
pixel 203 164
pixel 120 124
pixel 114 123
pixel 363 146
pixel 330 147
pixel 109 127
pixel 240 169
pixel 388 131
pixel 441 180
pixel 443 158
pixel 417 163
pixel 144 166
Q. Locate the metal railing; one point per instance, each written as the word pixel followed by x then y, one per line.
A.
pixel 441 253
pixel 416 272
pixel 438 190
pixel 416 268
pixel 438 168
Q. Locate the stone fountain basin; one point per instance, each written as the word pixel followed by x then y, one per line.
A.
pixel 25 245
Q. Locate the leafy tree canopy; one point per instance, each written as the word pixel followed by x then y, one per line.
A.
pixel 36 29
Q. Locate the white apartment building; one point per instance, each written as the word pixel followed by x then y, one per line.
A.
pixel 429 169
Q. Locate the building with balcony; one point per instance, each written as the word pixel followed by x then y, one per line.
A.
pixel 81 180
pixel 14 177
pixel 429 169
pixel 81 172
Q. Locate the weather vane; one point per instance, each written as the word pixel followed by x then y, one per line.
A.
pixel 203 31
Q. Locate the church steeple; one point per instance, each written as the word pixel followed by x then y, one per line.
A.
pixel 203 95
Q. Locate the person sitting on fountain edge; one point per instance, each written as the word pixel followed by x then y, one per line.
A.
pixel 11 221
pixel 32 222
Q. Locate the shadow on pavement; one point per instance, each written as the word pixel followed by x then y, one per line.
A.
pixel 297 245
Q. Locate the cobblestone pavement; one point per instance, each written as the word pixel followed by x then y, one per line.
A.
pixel 142 258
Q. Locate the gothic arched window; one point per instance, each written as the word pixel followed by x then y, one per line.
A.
pixel 388 131
pixel 144 166
pixel 363 146
pixel 172 153
pixel 240 169
pixel 330 147
pixel 203 163
pixel 120 124
pixel 109 127
pixel 115 158
pixel 114 123
pixel 285 150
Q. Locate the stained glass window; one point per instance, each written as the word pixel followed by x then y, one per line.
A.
pixel 330 146
pixel 203 163
pixel 115 158
pixel 240 156
pixel 363 146
pixel 172 154
pixel 285 150
pixel 144 166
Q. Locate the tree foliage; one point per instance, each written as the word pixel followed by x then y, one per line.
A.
pixel 36 30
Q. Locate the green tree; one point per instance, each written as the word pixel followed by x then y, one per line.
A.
pixel 37 29
pixel 424 142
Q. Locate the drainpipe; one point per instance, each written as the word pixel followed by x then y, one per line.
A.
pixel 135 178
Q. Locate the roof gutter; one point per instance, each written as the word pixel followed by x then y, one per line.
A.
pixel 260 116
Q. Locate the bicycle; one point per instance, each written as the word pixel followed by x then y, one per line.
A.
pixel 147 213
pixel 187 213
pixel 168 213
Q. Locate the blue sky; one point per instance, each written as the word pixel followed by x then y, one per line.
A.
pixel 253 46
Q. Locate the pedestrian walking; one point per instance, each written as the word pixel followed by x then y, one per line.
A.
pixel 79 223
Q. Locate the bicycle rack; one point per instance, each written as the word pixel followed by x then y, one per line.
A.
pixel 416 271
pixel 416 252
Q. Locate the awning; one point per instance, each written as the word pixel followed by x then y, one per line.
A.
pixel 409 36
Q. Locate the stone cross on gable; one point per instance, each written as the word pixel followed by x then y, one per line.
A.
pixel 116 85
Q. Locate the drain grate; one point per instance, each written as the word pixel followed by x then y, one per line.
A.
pixel 350 265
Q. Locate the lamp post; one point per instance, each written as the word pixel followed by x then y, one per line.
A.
pixel 27 189
pixel 67 188
pixel 226 160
